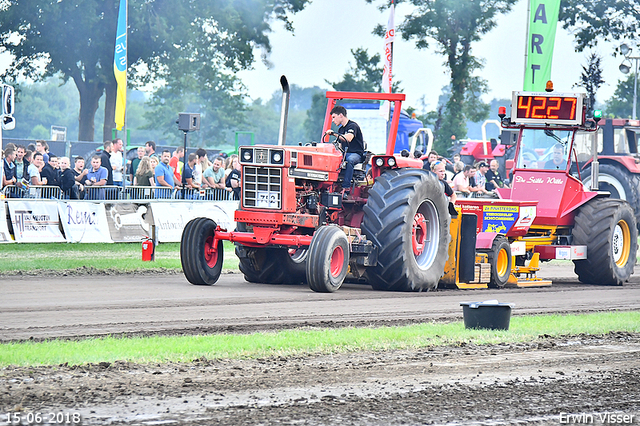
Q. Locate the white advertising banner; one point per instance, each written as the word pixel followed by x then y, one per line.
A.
pixel 84 222
pixel 171 218
pixel 5 236
pixel 35 221
pixel 127 222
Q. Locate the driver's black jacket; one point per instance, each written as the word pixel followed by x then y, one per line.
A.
pixel 357 143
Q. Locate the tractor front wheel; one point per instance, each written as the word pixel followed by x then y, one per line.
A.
pixel 328 261
pixel 201 254
pixel 608 228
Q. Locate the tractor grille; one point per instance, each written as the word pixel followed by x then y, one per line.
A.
pixel 262 187
pixel 261 156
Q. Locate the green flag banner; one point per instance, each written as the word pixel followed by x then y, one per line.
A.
pixel 543 20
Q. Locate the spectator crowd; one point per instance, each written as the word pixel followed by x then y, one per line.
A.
pixel 467 180
pixel 106 172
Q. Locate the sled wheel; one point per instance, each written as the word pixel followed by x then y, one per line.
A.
pixel 608 228
pixel 500 260
pixel 201 254
pixel 407 218
pixel 620 244
pixel 328 261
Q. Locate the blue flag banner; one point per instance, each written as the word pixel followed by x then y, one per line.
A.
pixel 120 64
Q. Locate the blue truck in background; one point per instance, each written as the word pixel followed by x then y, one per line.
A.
pixel 374 128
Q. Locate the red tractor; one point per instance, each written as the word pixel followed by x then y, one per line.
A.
pixel 569 222
pixel 618 159
pixel 294 226
pixel 472 151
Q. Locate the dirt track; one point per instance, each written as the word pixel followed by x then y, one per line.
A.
pixel 536 383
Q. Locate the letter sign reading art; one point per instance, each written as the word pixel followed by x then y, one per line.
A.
pixel 547 108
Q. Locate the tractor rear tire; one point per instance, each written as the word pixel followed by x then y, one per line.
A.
pixel 201 254
pixel 608 228
pixel 328 261
pixel 407 218
pixel 619 182
pixel 500 260
pixel 272 265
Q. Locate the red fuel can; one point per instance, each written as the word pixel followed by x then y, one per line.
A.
pixel 147 250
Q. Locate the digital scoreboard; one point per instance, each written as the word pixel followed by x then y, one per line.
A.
pixel 547 108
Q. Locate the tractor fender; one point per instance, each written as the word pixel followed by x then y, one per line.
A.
pixel 626 162
pixel 484 240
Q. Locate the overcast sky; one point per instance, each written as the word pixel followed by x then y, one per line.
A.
pixel 319 50
pixel 326 31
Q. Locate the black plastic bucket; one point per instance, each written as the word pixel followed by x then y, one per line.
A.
pixel 489 315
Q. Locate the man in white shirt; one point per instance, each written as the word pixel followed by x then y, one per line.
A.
pixel 198 169
pixel 116 161
pixel 37 163
pixel 461 181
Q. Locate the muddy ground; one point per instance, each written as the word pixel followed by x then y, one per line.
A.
pixel 568 380
pixel 541 382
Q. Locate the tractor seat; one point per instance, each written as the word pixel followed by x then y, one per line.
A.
pixel 362 165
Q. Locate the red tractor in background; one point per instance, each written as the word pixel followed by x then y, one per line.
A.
pixel 472 151
pixel 569 222
pixel 616 144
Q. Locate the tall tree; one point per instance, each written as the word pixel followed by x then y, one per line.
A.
pixel 620 105
pixel 364 75
pixel 194 87
pixel 47 103
pixel 591 79
pixel 77 39
pixel 593 21
pixel 453 25
pixel 263 118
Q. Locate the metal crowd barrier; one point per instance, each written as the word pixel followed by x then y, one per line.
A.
pixel 138 193
pixel 216 194
pixel 209 194
pixel 32 191
pixel 104 192
pixel 12 191
pixel 118 193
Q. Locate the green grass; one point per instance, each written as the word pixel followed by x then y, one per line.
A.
pixel 295 342
pixel 126 257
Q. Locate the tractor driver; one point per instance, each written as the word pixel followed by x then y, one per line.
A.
pixel 557 162
pixel 350 137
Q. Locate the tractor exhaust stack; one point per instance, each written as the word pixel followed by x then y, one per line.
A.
pixel 284 111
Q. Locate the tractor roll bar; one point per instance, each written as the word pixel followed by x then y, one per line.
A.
pixel 396 98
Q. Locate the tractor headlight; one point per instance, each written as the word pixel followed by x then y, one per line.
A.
pixel 276 157
pixel 391 162
pixel 379 162
pixel 246 155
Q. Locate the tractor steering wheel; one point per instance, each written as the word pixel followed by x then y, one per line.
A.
pixel 335 142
